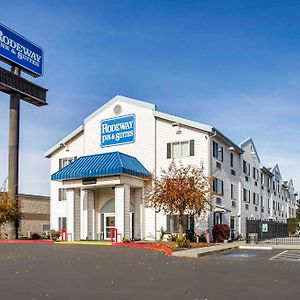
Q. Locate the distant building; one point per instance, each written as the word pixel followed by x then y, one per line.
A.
pixel 98 174
pixel 35 215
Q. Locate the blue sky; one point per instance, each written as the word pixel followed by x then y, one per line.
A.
pixel 232 64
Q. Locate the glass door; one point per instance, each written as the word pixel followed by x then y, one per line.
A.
pixel 109 223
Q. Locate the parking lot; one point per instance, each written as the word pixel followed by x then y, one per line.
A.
pixel 100 272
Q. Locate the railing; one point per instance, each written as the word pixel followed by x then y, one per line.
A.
pixel 273 232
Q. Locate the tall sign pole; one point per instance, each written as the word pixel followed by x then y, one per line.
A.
pixel 13 152
pixel 20 54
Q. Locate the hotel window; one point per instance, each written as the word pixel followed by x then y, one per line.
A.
pixel 255 174
pixel 255 199
pixel 232 191
pixel 62 194
pixel 246 168
pixel 231 160
pixel 217 151
pixel 63 162
pixel 173 224
pixel 181 149
pixel 246 195
pixel 218 186
pixel 62 222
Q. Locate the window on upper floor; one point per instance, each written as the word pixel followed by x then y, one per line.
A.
pixel 181 149
pixel 231 160
pixel 255 173
pixel 255 198
pixel 246 168
pixel 232 191
pixel 218 186
pixel 62 194
pixel 217 151
pixel 63 162
pixel 246 195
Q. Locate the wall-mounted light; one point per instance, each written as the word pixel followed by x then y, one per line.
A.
pixel 178 131
pixel 66 146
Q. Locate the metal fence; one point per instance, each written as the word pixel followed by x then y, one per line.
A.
pixel 272 232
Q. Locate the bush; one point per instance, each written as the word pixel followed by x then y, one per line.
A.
pixel 55 235
pixel 172 237
pixel 293 225
pixel 35 236
pixel 220 233
pixel 202 238
pixel 183 242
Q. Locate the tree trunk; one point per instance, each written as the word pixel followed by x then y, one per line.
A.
pixel 180 221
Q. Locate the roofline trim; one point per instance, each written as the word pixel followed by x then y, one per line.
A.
pixel 123 99
pixel 67 138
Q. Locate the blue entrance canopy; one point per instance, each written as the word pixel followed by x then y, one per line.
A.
pixel 113 163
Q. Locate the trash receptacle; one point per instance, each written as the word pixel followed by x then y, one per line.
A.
pixel 252 238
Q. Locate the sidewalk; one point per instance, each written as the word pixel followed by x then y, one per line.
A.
pixel 196 252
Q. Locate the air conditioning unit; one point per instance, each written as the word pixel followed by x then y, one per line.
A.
pixel 218 164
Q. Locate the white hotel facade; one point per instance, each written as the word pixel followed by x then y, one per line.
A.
pixel 99 174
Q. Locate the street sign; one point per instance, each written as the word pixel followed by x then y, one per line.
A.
pixel 264 227
pixel 17 50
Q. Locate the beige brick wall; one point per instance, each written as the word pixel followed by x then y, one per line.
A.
pixel 35 212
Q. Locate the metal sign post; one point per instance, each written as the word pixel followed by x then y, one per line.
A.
pixel 13 152
pixel 23 55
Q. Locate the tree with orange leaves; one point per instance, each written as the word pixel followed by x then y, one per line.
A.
pixel 180 190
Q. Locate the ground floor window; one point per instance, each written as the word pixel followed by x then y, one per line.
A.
pixel 218 218
pixel 62 223
pixel 173 223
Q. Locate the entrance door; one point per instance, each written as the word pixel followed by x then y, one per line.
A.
pixel 131 224
pixel 109 223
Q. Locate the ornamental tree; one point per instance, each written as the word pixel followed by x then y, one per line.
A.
pixel 9 209
pixel 179 190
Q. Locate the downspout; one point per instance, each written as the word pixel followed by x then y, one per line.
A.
pixel 155 174
pixel 209 167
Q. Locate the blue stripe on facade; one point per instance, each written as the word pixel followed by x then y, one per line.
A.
pixel 113 163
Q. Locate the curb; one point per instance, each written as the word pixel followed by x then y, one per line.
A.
pixel 255 248
pixel 164 249
pixel 85 243
pixel 26 242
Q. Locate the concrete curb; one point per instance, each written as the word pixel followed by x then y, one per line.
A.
pixel 164 249
pixel 26 242
pixel 255 248
pixel 84 243
pixel 198 252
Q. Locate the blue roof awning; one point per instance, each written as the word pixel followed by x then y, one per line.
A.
pixel 114 163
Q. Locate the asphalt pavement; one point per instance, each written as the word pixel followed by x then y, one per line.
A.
pixel 99 272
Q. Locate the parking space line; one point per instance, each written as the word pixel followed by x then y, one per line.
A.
pixel 278 255
pixel 288 255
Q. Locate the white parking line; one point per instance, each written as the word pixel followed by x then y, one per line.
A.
pixel 290 255
pixel 278 255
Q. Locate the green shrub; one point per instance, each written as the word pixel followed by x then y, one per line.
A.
pixel 293 225
pixel 172 237
pixel 183 242
pixel 220 233
pixel 202 238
